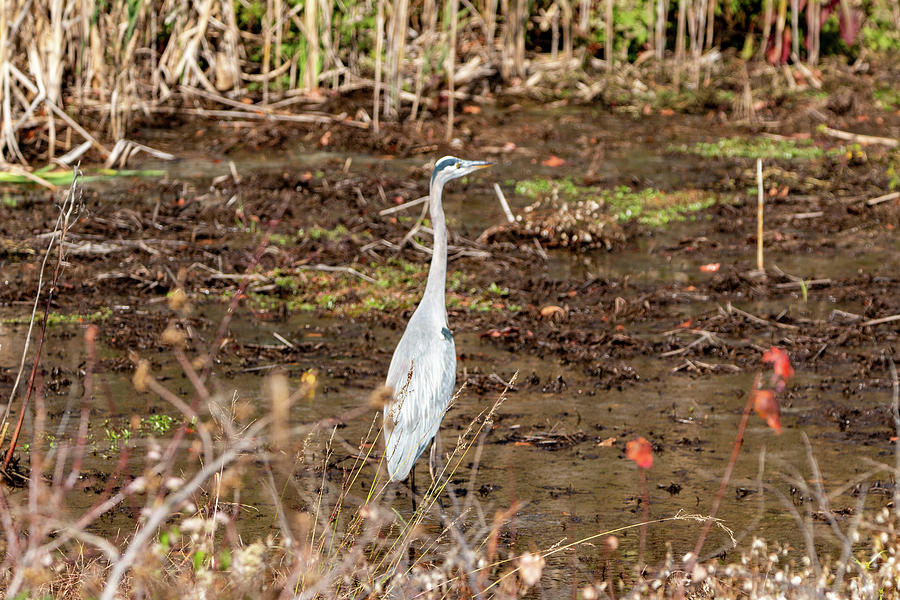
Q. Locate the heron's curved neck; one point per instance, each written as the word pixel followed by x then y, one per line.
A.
pixel 437 274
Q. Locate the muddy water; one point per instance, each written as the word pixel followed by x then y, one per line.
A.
pixel 569 493
pixel 558 441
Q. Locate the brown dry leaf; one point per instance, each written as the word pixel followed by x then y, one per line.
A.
pixel 472 109
pixel 553 161
pixel 607 443
pixel 549 311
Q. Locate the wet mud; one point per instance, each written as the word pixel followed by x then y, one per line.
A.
pixel 611 342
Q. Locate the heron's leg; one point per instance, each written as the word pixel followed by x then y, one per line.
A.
pixel 431 463
pixel 412 486
pixel 434 468
pixel 412 495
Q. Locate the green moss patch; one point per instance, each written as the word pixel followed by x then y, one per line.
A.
pixel 61 319
pixel 398 284
pixel 760 147
pixel 648 206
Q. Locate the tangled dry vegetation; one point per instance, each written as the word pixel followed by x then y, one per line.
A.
pixel 77 73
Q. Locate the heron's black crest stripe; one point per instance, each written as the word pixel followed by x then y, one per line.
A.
pixel 448 335
pixel 442 164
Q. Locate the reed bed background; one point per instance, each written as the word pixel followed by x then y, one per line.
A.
pixel 75 74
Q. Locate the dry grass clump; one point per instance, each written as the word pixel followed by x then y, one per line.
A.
pixel 776 571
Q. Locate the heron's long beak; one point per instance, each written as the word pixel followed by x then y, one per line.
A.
pixel 476 164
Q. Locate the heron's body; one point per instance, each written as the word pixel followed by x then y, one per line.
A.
pixel 422 374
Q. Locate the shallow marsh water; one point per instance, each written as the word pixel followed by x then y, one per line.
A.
pixel 585 486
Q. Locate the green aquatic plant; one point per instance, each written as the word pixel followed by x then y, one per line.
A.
pixel 759 147
pixel 64 177
pixel 653 207
pixel 497 290
pixel 159 424
pixel 647 206
pixel 540 186
pixel 320 233
pixel 55 318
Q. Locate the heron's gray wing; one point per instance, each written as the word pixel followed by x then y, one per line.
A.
pixel 422 375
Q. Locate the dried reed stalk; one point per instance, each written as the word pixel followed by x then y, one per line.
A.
pixel 379 47
pixel 311 72
pixel 767 27
pixel 449 66
pixel 610 34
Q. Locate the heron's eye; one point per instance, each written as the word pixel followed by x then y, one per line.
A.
pixel 458 165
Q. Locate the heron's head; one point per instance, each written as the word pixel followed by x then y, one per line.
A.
pixel 450 167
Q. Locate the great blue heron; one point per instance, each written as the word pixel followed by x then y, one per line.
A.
pixel 423 369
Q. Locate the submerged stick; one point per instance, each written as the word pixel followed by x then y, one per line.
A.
pixel 865 140
pixel 760 266
pixel 504 204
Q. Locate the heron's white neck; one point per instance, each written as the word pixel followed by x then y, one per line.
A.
pixel 437 274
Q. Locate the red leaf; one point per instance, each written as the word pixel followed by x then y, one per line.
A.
pixel 553 161
pixel 781 363
pixel 766 406
pixel 641 452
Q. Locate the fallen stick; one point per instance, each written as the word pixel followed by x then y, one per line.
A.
pixel 349 270
pixel 731 308
pixel 504 204
pixel 880 321
pixel 800 284
pixel 885 198
pixel 232 114
pixel 81 130
pixel 760 266
pixel 404 206
pixel 125 149
pixel 859 138
pixel 809 75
